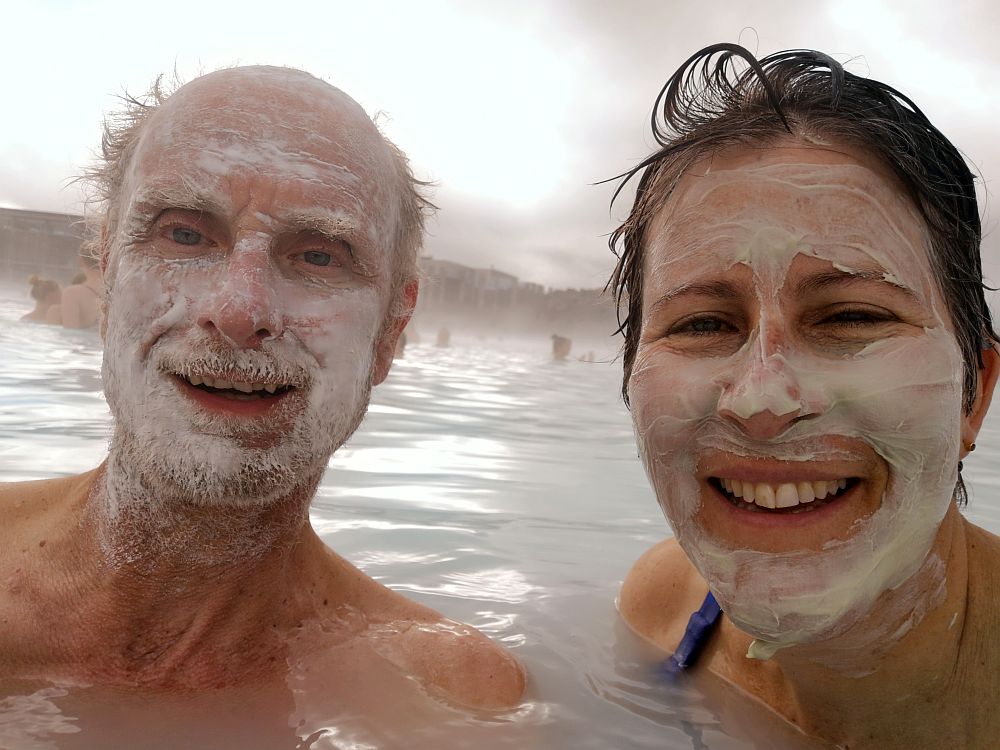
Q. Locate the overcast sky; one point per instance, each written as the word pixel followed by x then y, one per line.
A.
pixel 514 109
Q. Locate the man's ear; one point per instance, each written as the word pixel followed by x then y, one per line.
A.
pixel 102 254
pixel 986 382
pixel 103 260
pixel 385 348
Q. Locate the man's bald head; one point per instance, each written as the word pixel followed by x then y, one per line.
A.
pixel 234 107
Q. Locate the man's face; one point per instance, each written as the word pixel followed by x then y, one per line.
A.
pixel 250 278
pixel 797 387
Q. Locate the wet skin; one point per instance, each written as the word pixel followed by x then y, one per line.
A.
pixel 693 315
pixel 252 248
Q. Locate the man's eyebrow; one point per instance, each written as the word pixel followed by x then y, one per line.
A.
pixel 721 289
pixel 183 197
pixel 331 226
pixel 827 279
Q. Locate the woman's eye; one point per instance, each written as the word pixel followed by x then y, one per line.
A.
pixel 701 326
pixel 185 236
pixel 857 318
pixel 317 258
pixel 705 326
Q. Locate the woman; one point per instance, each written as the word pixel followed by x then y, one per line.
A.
pixel 808 359
pixel 46 293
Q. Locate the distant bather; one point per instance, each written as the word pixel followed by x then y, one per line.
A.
pixel 443 338
pixel 46 293
pixel 560 347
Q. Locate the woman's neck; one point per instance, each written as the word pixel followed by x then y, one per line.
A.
pixel 880 672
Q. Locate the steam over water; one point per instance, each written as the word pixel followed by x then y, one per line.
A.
pixel 487 482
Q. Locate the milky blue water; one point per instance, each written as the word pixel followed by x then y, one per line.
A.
pixel 495 486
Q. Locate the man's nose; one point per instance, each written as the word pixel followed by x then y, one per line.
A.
pixel 764 397
pixel 245 310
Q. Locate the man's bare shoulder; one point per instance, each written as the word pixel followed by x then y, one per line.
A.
pixel 451 659
pixel 456 662
pixel 20 502
pixel 659 594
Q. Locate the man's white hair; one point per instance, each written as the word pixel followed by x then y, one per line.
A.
pixel 122 131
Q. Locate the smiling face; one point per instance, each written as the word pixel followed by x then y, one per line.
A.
pixel 797 389
pixel 250 276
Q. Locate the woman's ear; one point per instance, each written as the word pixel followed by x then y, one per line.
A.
pixel 986 383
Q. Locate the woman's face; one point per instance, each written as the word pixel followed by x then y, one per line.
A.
pixel 797 389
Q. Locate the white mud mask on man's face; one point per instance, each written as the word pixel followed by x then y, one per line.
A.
pixel 797 390
pixel 249 281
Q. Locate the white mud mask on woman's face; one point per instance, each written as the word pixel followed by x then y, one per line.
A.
pixel 249 285
pixel 797 392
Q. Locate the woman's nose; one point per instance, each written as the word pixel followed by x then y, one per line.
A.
pixel 764 399
pixel 245 308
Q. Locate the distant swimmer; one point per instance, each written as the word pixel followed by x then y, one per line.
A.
pixel 47 294
pixel 258 244
pixel 81 301
pixel 561 347
pixel 443 338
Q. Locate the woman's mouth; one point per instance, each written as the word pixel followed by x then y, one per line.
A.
pixel 784 497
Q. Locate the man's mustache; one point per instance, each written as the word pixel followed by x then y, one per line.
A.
pixel 274 362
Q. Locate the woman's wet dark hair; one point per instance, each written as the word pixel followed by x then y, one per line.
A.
pixel 723 97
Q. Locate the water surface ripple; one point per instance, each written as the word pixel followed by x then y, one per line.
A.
pixel 487 482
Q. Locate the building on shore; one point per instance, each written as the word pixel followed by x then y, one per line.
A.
pixel 488 300
pixel 39 242
pixel 451 294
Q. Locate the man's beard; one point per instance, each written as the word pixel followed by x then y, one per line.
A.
pixel 177 453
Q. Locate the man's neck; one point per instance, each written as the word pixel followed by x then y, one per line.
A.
pixel 912 639
pixel 190 592
pixel 150 532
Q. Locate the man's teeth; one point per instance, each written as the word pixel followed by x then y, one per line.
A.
pixel 786 495
pixel 231 385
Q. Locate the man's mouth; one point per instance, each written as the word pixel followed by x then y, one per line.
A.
pixel 787 497
pixel 236 390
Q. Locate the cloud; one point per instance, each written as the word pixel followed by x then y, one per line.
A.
pixel 515 109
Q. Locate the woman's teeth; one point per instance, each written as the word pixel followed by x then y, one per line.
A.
pixel 785 495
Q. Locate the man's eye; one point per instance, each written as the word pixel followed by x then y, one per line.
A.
pixel 317 258
pixel 185 236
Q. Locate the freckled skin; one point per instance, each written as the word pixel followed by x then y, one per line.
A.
pixel 253 242
pixel 881 601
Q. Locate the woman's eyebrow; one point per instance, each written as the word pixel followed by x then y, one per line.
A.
pixel 827 279
pixel 719 289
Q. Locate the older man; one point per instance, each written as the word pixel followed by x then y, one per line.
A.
pixel 258 249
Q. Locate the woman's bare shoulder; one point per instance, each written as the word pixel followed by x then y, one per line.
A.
pixel 659 594
pixel 984 578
